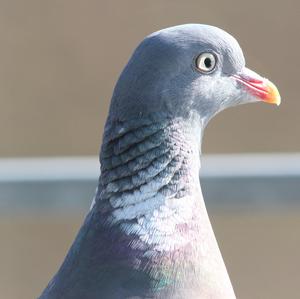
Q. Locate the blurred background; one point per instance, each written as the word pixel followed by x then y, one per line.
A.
pixel 59 61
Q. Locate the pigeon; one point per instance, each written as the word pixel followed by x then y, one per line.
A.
pixel 148 234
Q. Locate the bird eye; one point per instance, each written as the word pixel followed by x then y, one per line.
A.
pixel 206 62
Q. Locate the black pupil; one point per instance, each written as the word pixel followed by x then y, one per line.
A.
pixel 207 62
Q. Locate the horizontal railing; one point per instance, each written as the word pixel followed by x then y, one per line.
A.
pixel 68 183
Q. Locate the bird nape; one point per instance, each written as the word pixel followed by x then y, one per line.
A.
pixel 148 234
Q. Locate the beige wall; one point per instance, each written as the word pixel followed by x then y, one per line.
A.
pixel 59 60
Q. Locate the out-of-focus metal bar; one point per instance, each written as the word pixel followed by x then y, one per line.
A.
pixel 68 183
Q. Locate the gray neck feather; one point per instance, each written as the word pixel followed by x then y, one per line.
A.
pixel 150 187
pixel 150 177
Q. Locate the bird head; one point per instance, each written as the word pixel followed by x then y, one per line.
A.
pixel 188 68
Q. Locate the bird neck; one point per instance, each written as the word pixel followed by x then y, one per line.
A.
pixel 150 178
pixel 149 195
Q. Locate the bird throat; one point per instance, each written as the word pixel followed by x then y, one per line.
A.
pixel 149 189
pixel 150 179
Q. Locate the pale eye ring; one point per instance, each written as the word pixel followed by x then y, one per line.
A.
pixel 206 62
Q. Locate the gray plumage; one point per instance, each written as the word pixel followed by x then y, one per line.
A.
pixel 147 234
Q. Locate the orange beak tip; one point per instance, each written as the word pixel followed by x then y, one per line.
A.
pixel 273 95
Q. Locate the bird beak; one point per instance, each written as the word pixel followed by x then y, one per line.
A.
pixel 263 89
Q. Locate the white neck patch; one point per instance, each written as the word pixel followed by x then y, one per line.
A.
pixel 152 182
